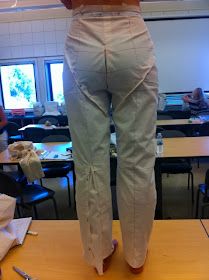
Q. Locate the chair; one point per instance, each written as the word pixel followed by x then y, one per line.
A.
pixel 59 169
pixel 159 129
pixel 52 119
pixel 26 194
pixel 203 190
pixel 34 134
pixel 13 133
pixel 55 138
pixel 203 129
pixel 177 166
pixel 164 117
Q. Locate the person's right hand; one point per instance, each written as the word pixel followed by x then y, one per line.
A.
pixel 67 3
pixel 186 98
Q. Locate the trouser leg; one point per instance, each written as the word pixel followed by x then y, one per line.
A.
pixel 135 129
pixel 90 131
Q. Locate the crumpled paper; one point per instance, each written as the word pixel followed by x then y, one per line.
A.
pixel 28 159
pixel 31 166
pixel 7 239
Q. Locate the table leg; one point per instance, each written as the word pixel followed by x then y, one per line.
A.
pixel 158 183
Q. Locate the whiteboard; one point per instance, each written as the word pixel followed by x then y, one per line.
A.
pixel 182 53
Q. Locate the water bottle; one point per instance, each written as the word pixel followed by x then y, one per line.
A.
pixel 159 143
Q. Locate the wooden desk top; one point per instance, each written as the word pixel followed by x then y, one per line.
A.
pixel 179 122
pixel 206 225
pixel 186 147
pixel 54 146
pixel 173 147
pixel 178 250
pixel 172 122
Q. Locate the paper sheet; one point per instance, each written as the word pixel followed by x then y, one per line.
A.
pixel 56 156
pixel 19 227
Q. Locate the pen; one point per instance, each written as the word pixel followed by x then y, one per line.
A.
pixel 32 232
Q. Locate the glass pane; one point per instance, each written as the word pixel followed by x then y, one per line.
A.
pixel 18 86
pixel 56 70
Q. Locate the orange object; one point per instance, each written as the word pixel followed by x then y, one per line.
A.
pixel 18 112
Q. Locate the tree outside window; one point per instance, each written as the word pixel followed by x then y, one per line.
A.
pixel 18 86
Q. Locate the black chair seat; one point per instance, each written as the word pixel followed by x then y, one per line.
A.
pixel 175 167
pixel 34 194
pixel 13 132
pixel 18 176
pixel 56 170
pixel 34 134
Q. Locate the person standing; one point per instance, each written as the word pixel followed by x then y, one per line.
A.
pixel 109 61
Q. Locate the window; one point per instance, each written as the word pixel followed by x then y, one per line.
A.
pixel 54 80
pixel 18 85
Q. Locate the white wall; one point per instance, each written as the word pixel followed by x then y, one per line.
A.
pixel 38 32
pixel 32 38
pixel 182 52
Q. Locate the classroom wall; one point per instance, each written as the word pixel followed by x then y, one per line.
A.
pixel 40 33
pixel 182 52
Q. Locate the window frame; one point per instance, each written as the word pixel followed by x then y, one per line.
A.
pixel 48 77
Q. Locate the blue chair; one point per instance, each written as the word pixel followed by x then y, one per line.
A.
pixel 59 169
pixel 203 191
pixel 27 195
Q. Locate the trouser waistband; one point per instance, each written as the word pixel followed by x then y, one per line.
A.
pixel 102 10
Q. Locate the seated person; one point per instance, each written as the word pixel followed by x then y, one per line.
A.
pixel 196 101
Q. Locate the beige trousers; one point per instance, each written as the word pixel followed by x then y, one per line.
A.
pixel 109 60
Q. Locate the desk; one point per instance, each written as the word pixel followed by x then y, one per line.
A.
pixel 206 226
pixel 22 129
pixel 178 250
pixel 178 122
pixel 53 146
pixel 185 125
pixel 184 147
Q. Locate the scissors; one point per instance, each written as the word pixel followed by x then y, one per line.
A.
pixel 23 274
